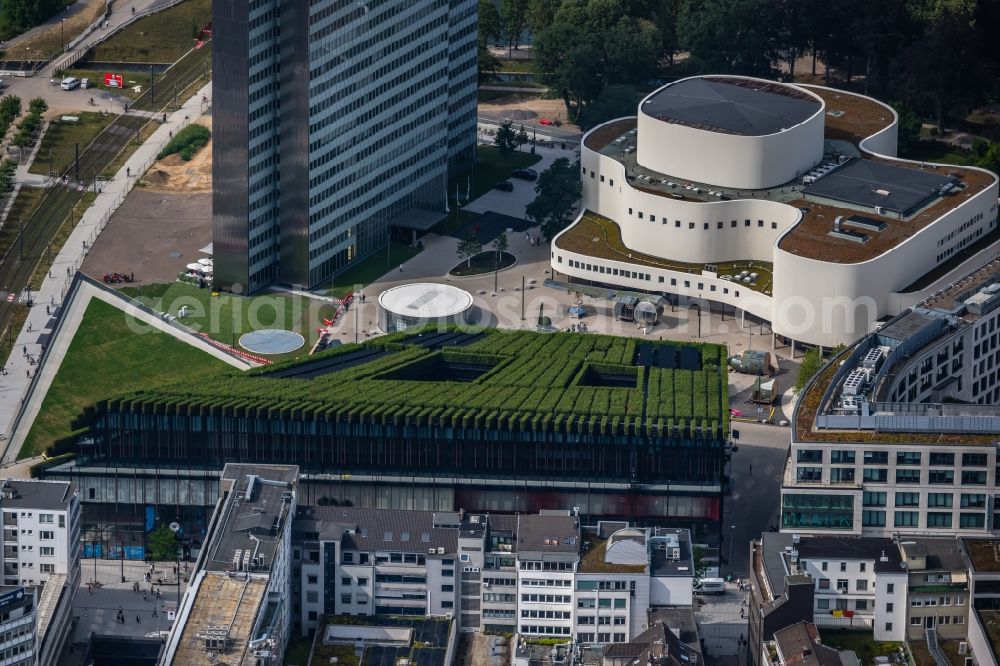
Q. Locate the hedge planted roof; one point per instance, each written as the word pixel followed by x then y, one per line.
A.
pixel 520 379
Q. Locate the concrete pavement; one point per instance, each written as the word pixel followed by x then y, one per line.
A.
pixel 514 203
pixel 22 365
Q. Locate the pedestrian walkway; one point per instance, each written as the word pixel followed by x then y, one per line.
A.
pixel 31 343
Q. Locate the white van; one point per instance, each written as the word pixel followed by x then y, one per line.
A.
pixel 70 83
pixel 710 586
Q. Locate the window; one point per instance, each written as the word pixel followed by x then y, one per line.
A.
pixel 974 477
pixel 876 457
pixel 447 588
pixel 47 551
pixel 973 501
pixel 47 568
pixel 312 579
pixel 345 580
pixel 861 604
pixel 907 499
pixel 447 604
pixel 888 626
pixel 843 566
pixel 46 535
pixel 943 476
pixel 464 557
pixel 873 518
pixel 939 458
pixel 823 567
pixel 915 621
pixel 844 457
pixel 971 520
pixel 861 585
pixel 862 566
pixel 822 603
pixel 810 455
pixel 907 476
pixel 312 597
pixel 889 607
pixel 907 457
pixel 974 460
pixel 362 581
pixel 906 518
pixel 842 585
pixel 890 588
pixel 46 518
pixel 871 498
pixel 875 474
pixel 939 499
pixel 346 598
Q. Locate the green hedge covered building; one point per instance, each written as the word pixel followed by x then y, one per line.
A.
pixel 512 421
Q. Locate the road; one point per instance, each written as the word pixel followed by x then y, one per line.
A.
pixel 59 200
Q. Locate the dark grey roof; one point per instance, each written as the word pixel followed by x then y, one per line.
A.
pixel 772 547
pixel 733 106
pixel 909 324
pixel 252 521
pixel 943 554
pixel 902 189
pixel 883 552
pixel 502 522
pixel 390 530
pixel 548 534
pixel 661 566
pixel 45 495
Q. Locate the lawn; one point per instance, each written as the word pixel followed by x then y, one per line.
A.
pixel 860 642
pixel 522 66
pixel 106 357
pixel 483 263
pixel 25 203
pixel 57 150
pixel 491 168
pixel 163 37
pixel 50 41
pixel 298 651
pixel 369 270
pixel 226 317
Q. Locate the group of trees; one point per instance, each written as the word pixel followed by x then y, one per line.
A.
pixel 16 16
pixel 931 55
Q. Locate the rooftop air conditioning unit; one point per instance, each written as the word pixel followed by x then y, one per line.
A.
pixel 440 550
pixel 431 551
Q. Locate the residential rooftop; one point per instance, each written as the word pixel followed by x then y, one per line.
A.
pixel 940 554
pixel 983 554
pixel 731 105
pixel 883 552
pixel 799 645
pixel 33 494
pixel 254 517
pixel 221 620
pixel 548 533
pixel 387 530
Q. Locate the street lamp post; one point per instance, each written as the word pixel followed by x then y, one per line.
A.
pixel 732 538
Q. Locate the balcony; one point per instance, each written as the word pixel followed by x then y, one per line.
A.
pixel 10 520
pixel 9 552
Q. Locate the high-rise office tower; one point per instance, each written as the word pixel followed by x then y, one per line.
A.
pixel 335 120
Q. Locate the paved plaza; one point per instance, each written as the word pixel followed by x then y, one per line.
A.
pixel 723 626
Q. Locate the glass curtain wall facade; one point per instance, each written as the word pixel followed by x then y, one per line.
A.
pixel 351 114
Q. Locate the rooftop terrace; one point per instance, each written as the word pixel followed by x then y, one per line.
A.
pixel 224 611
pixel 984 554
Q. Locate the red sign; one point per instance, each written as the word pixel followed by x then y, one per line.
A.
pixel 113 81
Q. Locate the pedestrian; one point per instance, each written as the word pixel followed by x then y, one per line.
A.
pixel 128 172
pixel 154 612
pixel 171 133
pixel 67 270
pixel 144 597
pixel 27 373
pixel 749 470
pixel 401 268
pixel 164 117
pixel 24 349
pixel 138 619
pixel 29 327
pixel 47 310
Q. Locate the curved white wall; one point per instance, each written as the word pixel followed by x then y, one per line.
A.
pixel 813 301
pixel 729 160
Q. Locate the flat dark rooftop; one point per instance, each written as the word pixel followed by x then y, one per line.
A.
pixel 884 552
pixel 870 184
pixel 907 326
pixel 731 106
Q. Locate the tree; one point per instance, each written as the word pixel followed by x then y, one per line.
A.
pixel 908 128
pixel 513 19
pixel 468 248
pixel 731 36
pixel 163 544
pixel 558 190
pixel 500 246
pixel 541 14
pixel 506 139
pixel 631 51
pixel 490 24
pixel 613 102
pixel 811 363
pixel 522 137
pixel 990 158
pixel 489 65
pixel 568 60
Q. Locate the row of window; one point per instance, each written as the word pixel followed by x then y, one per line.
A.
pixel 933 500
pixel 809 474
pixel 586 638
pixel 636 275
pixel 934 519
pixel 934 458
pixel 602 603
pixel 603 619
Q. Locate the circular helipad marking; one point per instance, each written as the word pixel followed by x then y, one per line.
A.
pixel 271 341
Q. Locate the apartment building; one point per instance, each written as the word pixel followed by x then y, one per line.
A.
pixel 336 121
pixel 352 561
pixel 799 644
pixel 538 575
pixel 778 597
pixel 921 393
pixel 937 588
pixel 41 563
pixel 237 608
pixel 17 626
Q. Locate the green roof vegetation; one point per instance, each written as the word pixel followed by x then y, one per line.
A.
pixel 106 357
pixel 513 380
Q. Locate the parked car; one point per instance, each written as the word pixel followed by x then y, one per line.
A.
pixel 84 83
pixel 525 174
pixel 70 83
pixel 545 121
pixel 505 186
pixel 710 586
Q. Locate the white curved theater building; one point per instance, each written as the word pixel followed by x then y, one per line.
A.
pixel 781 200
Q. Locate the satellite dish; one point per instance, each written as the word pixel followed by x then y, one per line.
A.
pixel 902 565
pixel 175 526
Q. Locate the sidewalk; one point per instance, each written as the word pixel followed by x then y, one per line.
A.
pixel 42 318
